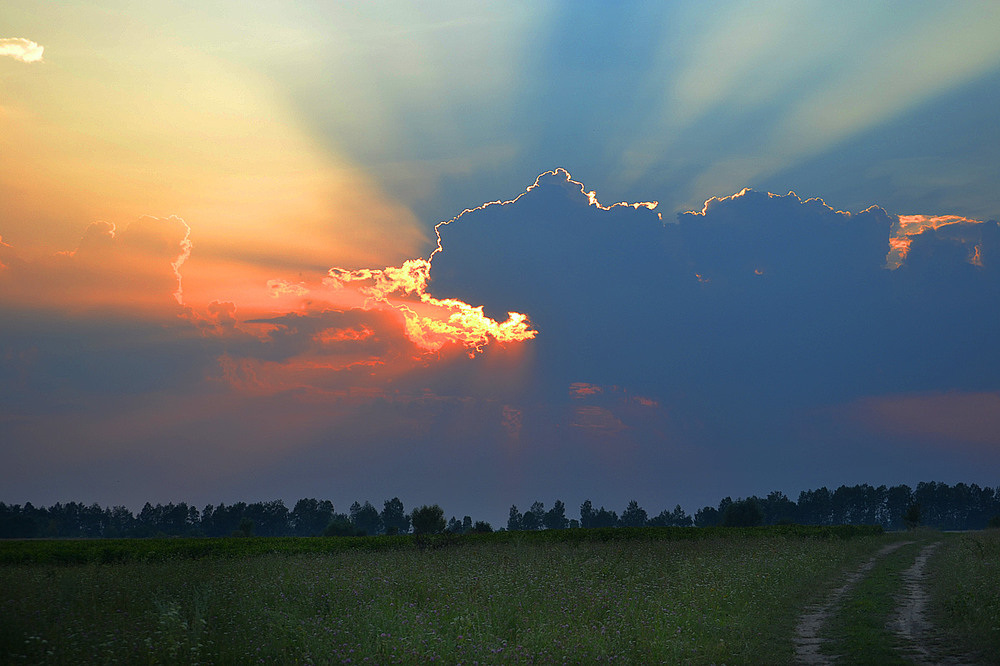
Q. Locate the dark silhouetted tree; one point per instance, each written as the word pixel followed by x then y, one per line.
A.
pixel 676 518
pixel 514 520
pixel 587 514
pixel 394 518
pixel 912 516
pixel 365 518
pixel 633 516
pixel 897 500
pixel 533 517
pixel 309 517
pixel 340 526
pixel 555 518
pixel 815 507
pixel 482 527
pixel 743 513
pixel 706 516
pixel 246 527
pixel 605 518
pixel 428 520
pixel 778 508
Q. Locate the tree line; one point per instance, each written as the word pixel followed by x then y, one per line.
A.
pixel 939 505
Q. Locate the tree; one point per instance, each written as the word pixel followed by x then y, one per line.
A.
pixel 743 513
pixel 587 514
pixel 912 516
pixel 676 518
pixel 309 517
pixel 679 517
pixel 778 508
pixel 634 515
pixel 340 526
pixel 246 527
pixel 532 518
pixel 482 527
pixel 394 518
pixel 897 500
pixel 428 520
pixel 514 521
pixel 815 507
pixel 365 518
pixel 605 518
pixel 555 518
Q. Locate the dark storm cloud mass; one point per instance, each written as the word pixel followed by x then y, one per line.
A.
pixel 740 318
pixel 759 343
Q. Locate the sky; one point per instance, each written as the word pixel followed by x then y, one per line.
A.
pixel 482 254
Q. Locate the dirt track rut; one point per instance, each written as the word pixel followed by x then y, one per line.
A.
pixel 807 636
pixel 909 622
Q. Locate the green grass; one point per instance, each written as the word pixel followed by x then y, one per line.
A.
pixel 106 551
pixel 965 593
pixel 689 596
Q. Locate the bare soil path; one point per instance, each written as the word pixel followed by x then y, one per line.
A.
pixel 807 634
pixel 924 646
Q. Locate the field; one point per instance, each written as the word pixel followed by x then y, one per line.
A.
pixel 697 596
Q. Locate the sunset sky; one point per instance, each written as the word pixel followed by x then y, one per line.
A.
pixel 481 254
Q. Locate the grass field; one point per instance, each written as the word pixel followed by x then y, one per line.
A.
pixel 965 594
pixel 650 596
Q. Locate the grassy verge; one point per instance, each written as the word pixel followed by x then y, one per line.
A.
pixel 732 597
pixel 857 630
pixel 965 593
pixel 106 551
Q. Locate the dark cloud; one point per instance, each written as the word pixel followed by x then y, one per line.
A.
pixel 742 320
pixel 759 343
pixel 754 290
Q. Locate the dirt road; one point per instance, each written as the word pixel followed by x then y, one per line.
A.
pixel 807 634
pixel 919 642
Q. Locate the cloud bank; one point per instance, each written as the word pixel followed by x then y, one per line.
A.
pixel 136 270
pixel 23 50
pixel 550 345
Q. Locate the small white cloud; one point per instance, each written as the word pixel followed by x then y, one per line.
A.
pixel 21 49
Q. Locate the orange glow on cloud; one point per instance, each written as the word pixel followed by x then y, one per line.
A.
pixel 450 321
pixel 912 225
pixel 431 322
pixel 343 335
pixel 583 389
pixel 136 270
pixel 972 418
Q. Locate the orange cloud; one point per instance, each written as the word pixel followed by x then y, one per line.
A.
pixel 330 335
pixel 137 269
pixel 912 225
pixel 431 323
pixel 278 288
